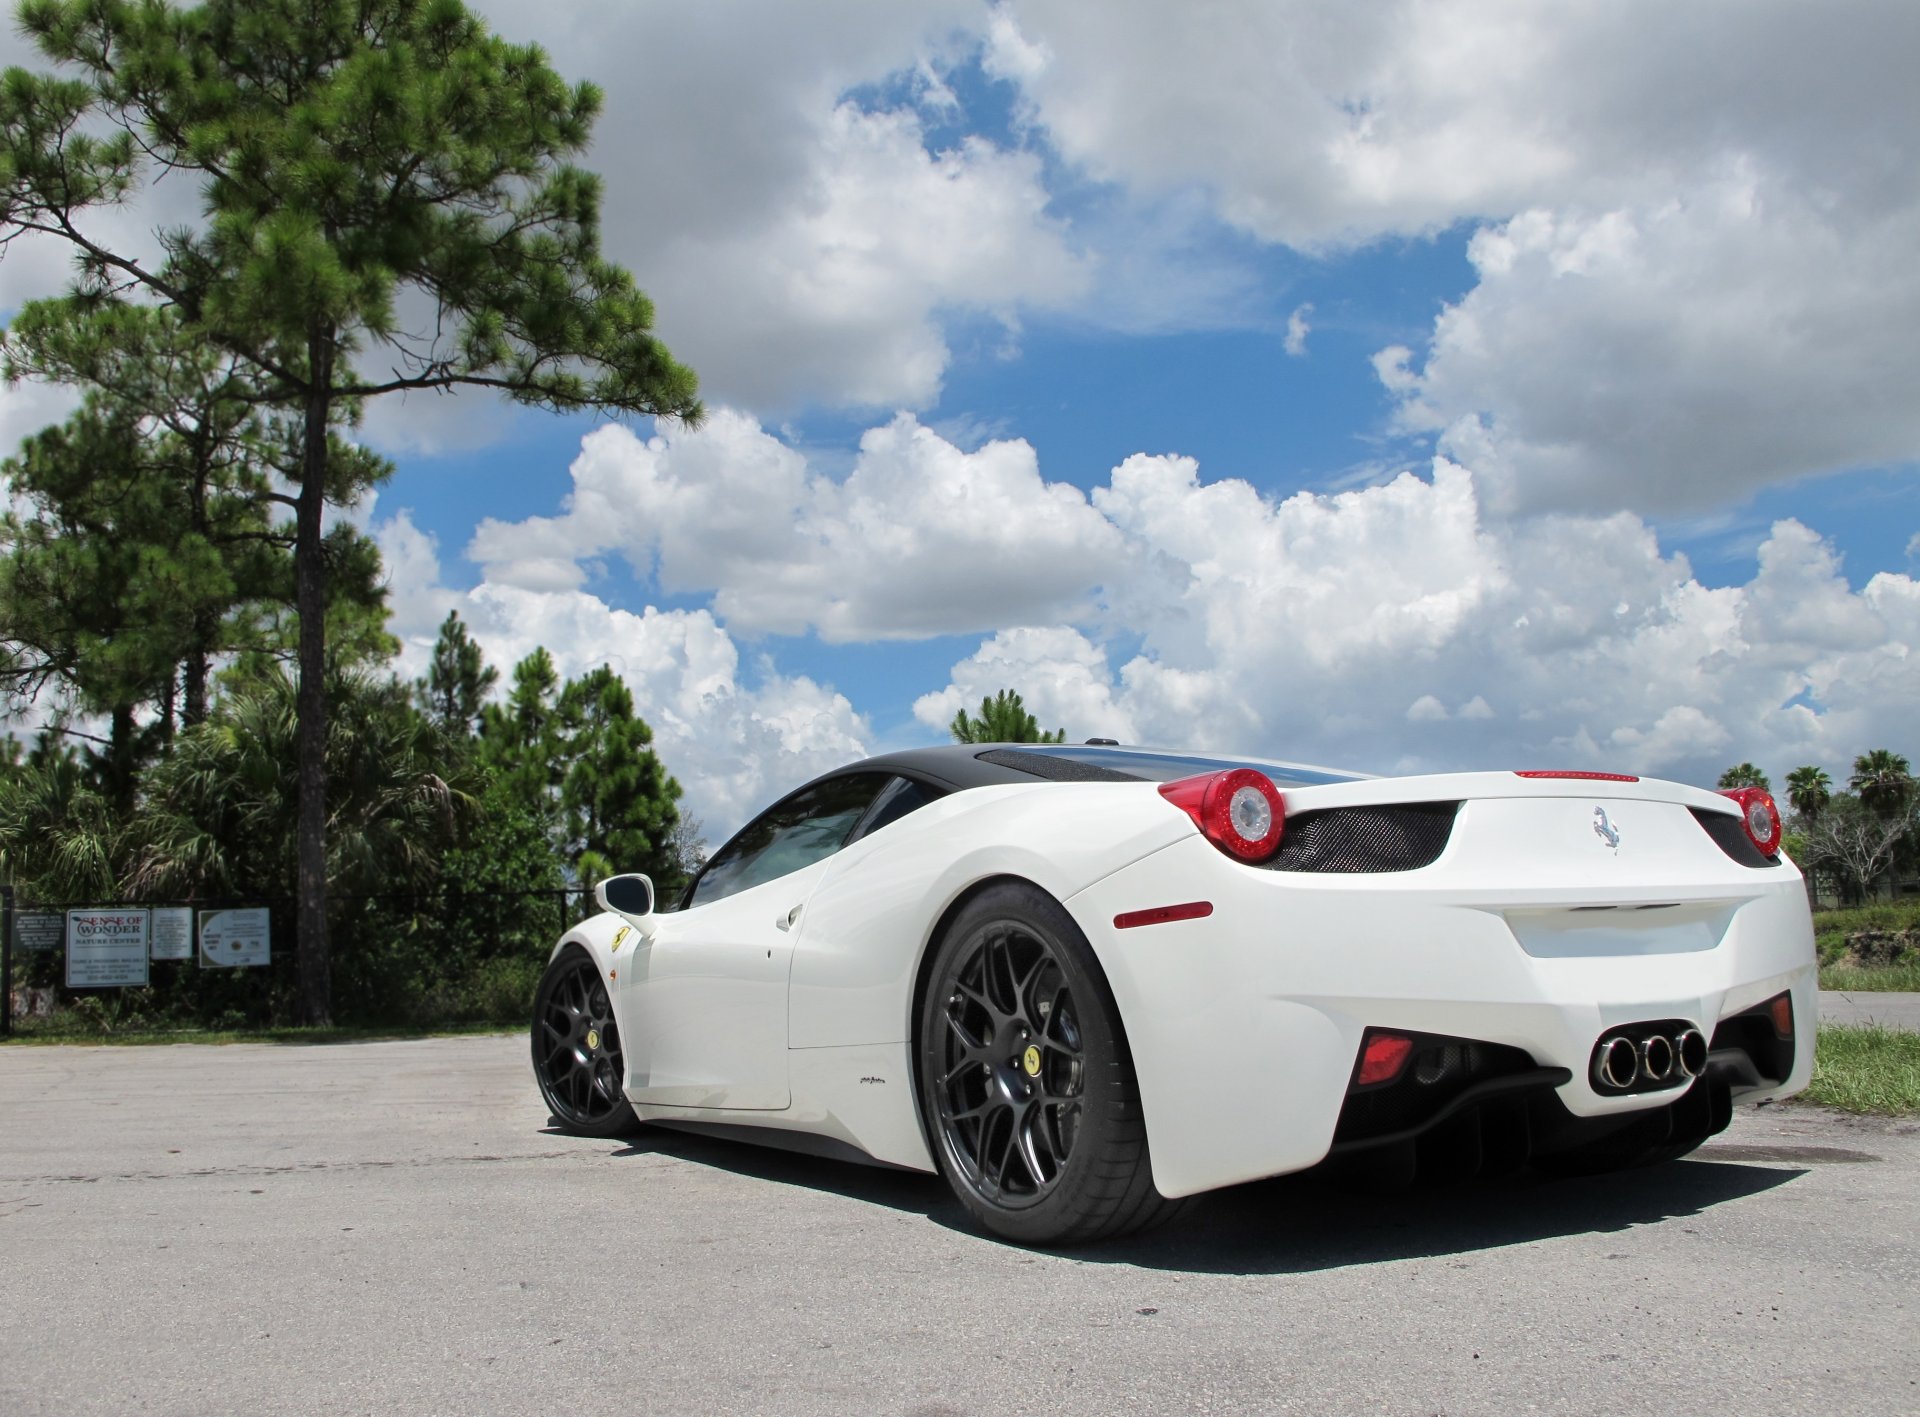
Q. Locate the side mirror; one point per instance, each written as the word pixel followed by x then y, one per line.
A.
pixel 630 896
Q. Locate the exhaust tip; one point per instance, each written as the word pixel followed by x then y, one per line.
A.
pixel 1691 1050
pixel 1616 1063
pixel 1657 1058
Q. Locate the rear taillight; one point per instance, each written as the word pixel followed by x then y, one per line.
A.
pixel 1759 816
pixel 1239 810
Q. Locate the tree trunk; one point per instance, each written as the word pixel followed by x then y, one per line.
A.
pixel 199 654
pixel 119 772
pixel 310 600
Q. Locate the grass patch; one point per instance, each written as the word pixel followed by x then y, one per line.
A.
pixel 1866 1068
pixel 29 1032
pixel 1831 927
pixel 1898 978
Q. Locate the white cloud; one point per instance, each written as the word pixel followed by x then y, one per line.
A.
pixel 1340 629
pixel 1694 273
pixel 734 740
pixel 1670 359
pixel 920 538
pixel 1299 325
pixel 1062 677
pixel 801 247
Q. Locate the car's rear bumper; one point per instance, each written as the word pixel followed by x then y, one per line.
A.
pixel 1245 1025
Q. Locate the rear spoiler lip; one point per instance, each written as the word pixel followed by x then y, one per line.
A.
pixel 1471 786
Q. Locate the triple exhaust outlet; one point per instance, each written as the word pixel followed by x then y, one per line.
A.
pixel 1624 1063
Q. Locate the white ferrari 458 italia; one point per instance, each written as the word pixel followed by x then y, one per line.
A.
pixel 1084 981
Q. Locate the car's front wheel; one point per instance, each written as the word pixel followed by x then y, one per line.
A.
pixel 576 1048
pixel 1025 1079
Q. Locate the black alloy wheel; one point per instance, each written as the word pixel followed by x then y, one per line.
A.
pixel 576 1048
pixel 1025 1080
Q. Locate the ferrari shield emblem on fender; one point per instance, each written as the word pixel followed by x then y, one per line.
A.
pixel 621 935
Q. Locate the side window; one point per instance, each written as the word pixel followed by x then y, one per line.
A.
pixel 807 827
pixel 902 796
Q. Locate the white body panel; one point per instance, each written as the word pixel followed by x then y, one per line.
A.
pixel 1531 930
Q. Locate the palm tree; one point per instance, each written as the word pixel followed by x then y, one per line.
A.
pixel 1744 775
pixel 60 839
pixel 1884 781
pixel 220 811
pixel 1809 789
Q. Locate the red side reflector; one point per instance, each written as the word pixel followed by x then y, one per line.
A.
pixel 1382 1056
pixel 1161 914
pixel 1781 1009
pixel 1580 776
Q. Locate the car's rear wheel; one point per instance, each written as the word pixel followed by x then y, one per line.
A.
pixel 1025 1079
pixel 576 1048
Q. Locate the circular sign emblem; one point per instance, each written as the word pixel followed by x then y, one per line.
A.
pixel 1030 1060
pixel 593 1038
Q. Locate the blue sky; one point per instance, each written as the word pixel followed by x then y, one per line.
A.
pixel 1380 386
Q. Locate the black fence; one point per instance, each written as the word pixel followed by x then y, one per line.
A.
pixel 411 958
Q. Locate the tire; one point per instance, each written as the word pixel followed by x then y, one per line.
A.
pixel 576 1049
pixel 1026 1085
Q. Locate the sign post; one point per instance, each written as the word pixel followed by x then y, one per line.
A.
pixel 6 961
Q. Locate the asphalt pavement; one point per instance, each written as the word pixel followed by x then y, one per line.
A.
pixel 1865 1006
pixel 391 1227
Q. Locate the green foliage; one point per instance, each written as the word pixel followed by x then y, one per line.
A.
pixel 1808 790
pixel 353 158
pixel 578 757
pixel 617 803
pixel 221 814
pixel 1002 719
pixel 458 681
pixel 518 740
pixel 59 836
pixel 1884 781
pixel 1744 775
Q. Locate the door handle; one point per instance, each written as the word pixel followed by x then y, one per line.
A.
pixel 787 922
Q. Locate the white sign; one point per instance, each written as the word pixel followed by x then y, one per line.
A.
pixel 172 933
pixel 106 949
pixel 230 938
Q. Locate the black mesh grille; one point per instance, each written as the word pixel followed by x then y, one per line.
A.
pixel 1725 828
pixel 1054 769
pixel 1401 837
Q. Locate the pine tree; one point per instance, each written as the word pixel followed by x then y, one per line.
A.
pixel 353 157
pixel 1003 719
pixel 458 681
pixel 617 801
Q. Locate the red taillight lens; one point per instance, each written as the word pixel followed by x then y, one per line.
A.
pixel 1577 775
pixel 1382 1057
pixel 1758 815
pixel 1239 810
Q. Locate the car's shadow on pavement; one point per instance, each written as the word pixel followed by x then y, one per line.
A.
pixel 1292 1224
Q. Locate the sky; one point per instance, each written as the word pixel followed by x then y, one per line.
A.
pixel 1400 387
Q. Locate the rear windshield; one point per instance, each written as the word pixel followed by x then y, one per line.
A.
pixel 1074 761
